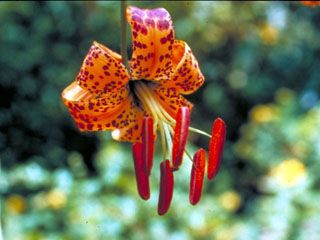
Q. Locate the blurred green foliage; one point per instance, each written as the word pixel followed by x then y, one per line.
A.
pixel 261 63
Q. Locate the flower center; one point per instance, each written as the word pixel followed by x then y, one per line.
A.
pixel 162 121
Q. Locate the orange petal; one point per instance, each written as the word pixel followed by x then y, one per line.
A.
pixel 99 113
pixel 132 133
pixel 170 100
pixel 152 37
pixel 102 71
pixel 187 76
pixel 311 3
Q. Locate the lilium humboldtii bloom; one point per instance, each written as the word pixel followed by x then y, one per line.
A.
pixel 135 105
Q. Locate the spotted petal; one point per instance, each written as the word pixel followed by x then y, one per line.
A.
pixel 170 100
pixel 102 71
pixel 93 113
pixel 132 133
pixel 152 37
pixel 187 76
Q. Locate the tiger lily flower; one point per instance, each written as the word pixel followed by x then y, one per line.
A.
pixel 136 104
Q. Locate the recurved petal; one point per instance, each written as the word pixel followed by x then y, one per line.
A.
pixel 187 76
pixel 99 113
pixel 102 71
pixel 152 37
pixel 170 100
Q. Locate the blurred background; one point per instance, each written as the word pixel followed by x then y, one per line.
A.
pixel 262 68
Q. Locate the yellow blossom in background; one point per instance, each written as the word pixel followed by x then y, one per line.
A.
pixel 230 201
pixel 16 204
pixel 299 149
pixel 306 128
pixel 288 173
pixel 56 199
pixel 264 113
pixel 314 115
pixel 284 96
pixel 39 201
pixel 224 234
pixel 268 34
pixel 243 148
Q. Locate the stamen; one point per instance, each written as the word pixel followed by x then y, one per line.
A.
pixel 197 175
pixel 185 150
pixel 160 110
pixel 199 131
pixel 146 102
pixel 216 147
pixel 163 140
pixel 147 144
pixel 142 179
pixel 189 155
pixel 180 136
pixel 166 187
pixel 168 137
pixel 164 122
pixel 171 130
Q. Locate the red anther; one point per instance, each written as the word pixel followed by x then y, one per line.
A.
pixel 197 175
pixel 216 147
pixel 147 144
pixel 141 178
pixel 166 187
pixel 180 136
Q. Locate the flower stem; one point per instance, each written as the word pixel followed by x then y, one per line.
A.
pixel 124 34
